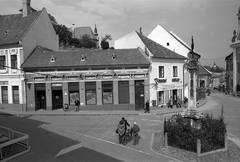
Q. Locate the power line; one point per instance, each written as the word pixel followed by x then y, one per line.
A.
pixel 213 58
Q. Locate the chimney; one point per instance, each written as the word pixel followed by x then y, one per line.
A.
pixel 26 7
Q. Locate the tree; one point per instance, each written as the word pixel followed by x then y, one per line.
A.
pixel 104 42
pixel 86 42
pixel 63 32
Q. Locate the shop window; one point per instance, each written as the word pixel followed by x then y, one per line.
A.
pixel 107 92
pixel 15 92
pixel 123 92
pixel 175 71
pixel 161 71
pixel 73 88
pixel 14 61
pixel 91 96
pixel 2 62
pixel 4 94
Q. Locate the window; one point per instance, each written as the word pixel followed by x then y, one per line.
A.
pixel 123 92
pixel 161 71
pixel 15 90
pixel 4 94
pixel 91 97
pixel 167 43
pixel 2 62
pixel 175 71
pixel 107 92
pixel 73 88
pixel 14 61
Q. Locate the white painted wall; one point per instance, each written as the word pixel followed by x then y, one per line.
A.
pixel 162 36
pixel 130 40
pixel 168 74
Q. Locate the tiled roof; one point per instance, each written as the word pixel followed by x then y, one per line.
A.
pixel 80 31
pixel 41 58
pixel 13 27
pixel 158 50
pixel 203 71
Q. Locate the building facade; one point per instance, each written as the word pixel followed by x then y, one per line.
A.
pixel 100 79
pixel 166 74
pixel 19 35
pixel 233 61
pixel 171 41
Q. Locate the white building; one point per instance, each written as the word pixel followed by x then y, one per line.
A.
pixel 166 73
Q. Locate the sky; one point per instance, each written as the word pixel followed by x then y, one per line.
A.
pixel 210 22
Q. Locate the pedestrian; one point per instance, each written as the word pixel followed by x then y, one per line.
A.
pixel 147 109
pixel 171 102
pixel 135 130
pixel 126 124
pixel 77 103
pixel 178 102
pixel 185 100
pixel 121 131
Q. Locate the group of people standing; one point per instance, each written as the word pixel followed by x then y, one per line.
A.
pixel 178 102
pixel 122 128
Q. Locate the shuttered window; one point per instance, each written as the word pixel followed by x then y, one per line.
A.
pixel 123 92
pixel 15 90
pixel 4 94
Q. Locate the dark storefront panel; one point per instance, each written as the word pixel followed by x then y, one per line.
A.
pixel 91 96
pixel 139 94
pixel 123 92
pixel 40 95
pixel 57 97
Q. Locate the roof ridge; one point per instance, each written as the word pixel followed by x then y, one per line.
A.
pixel 142 36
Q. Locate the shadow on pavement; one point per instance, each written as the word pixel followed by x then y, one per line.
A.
pixel 87 155
pixel 5 114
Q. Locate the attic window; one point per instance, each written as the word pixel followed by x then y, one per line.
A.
pixel 53 59
pixel 167 43
pixel 6 31
pixel 113 56
pixel 82 58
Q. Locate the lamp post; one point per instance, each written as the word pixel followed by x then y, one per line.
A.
pixel 25 81
pixel 192 67
pixel 73 31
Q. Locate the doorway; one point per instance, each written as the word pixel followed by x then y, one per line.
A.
pixel 40 100
pixel 57 96
pixel 174 94
pixel 160 97
pixel 139 94
pixel 40 96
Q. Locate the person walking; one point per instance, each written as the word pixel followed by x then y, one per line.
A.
pixel 77 103
pixel 147 109
pixel 135 130
pixel 171 102
pixel 121 130
pixel 179 102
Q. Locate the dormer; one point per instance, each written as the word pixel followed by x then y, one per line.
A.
pixel 83 58
pixel 53 59
pixel 113 56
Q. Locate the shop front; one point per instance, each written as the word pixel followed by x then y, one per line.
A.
pixel 95 92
